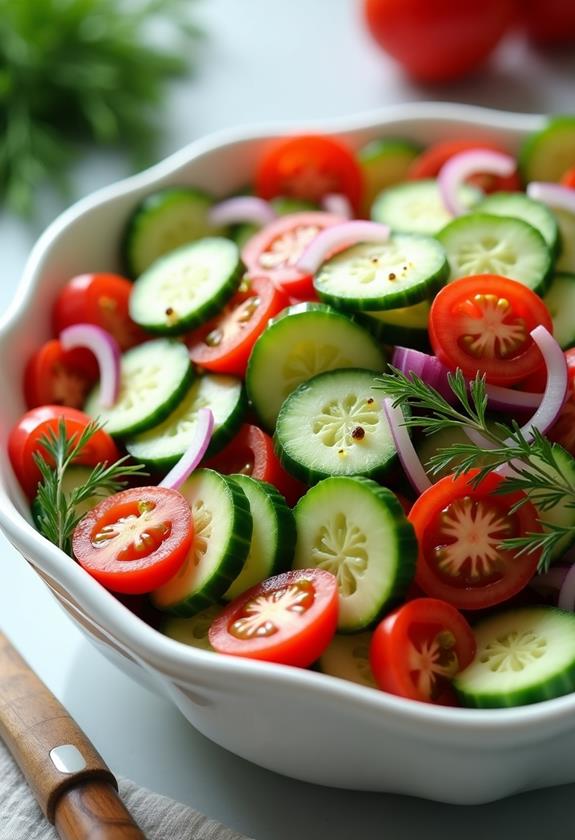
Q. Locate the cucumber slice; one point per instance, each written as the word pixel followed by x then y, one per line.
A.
pixel 417 206
pixel 161 223
pixel 154 377
pixel 333 425
pixel 163 445
pixel 273 535
pixel 404 270
pixel 520 206
pixel 187 286
pixel 347 657
pixel 484 244
pixel 548 153
pixel 192 631
pixel 560 301
pixel 304 340
pixel 222 538
pixel 357 530
pixel 406 326
pixel 566 222
pixel 523 656
pixel 429 445
pixel 385 162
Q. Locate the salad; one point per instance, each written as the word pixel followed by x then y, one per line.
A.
pixel 329 422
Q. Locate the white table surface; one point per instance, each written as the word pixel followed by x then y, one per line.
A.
pixel 263 59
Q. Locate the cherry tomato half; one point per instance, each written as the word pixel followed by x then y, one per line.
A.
pixel 290 618
pixel 568 179
pixel 59 377
pixel 417 650
pixel 459 529
pixel 100 299
pixel 429 163
pixel 225 343
pixel 563 430
pixel 24 438
pixel 136 540
pixel 251 452
pixel 309 167
pixel 274 251
pixel 482 323
pixel 437 40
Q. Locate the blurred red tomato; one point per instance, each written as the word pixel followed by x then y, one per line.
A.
pixel 550 21
pixel 438 40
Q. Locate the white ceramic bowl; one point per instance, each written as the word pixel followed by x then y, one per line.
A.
pixel 300 723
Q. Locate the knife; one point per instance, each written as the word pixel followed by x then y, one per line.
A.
pixel 74 787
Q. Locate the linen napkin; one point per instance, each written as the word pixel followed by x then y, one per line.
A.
pixel 159 817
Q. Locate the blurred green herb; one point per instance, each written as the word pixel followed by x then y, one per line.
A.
pixel 83 70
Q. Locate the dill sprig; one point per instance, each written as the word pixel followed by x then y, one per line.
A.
pixel 531 466
pixel 73 71
pixel 58 511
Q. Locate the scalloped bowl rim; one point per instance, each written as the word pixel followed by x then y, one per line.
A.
pixel 147 645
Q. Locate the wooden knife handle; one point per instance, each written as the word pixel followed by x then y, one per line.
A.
pixel 72 783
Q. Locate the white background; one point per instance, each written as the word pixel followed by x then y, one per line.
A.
pixel 263 60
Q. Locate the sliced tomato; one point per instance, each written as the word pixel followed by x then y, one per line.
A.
pixel 274 251
pixel 225 343
pixel 482 323
pixel 290 619
pixel 309 167
pixel 136 540
pixel 100 299
pixel 59 377
pixel 429 163
pixel 563 430
pixel 459 529
pixel 24 441
pixel 417 650
pixel 568 178
pixel 251 452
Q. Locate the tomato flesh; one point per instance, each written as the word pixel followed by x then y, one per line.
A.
pixel 290 619
pixel 136 540
pixel 274 251
pixel 251 452
pixel 430 162
pixel 568 178
pixel 100 299
pixel 416 650
pixel 25 436
pixel 309 168
pixel 483 323
pixel 459 529
pixel 59 377
pixel 224 344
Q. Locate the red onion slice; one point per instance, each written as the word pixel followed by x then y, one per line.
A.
pixel 107 352
pixel 507 399
pixel 429 368
pixel 553 195
pixel 407 455
pixel 242 208
pixel 459 167
pixel 552 579
pixel 337 238
pixel 338 205
pixel 193 454
pixel 566 600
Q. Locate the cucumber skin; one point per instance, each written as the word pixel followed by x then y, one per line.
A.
pixel 285 526
pixel 563 682
pixel 566 345
pixel 201 314
pixel 530 143
pixel 138 219
pixel 220 437
pixel 237 551
pixel 407 550
pixel 310 476
pixel 393 334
